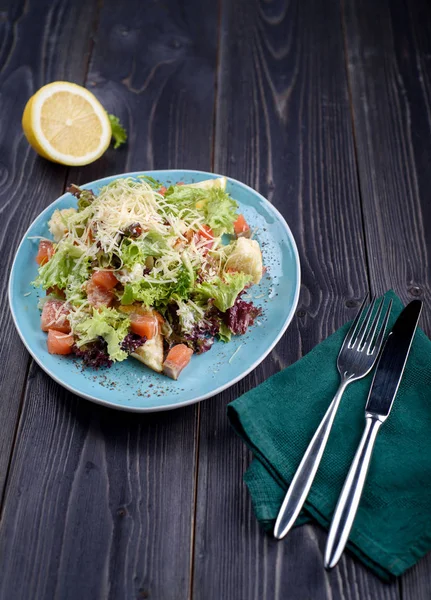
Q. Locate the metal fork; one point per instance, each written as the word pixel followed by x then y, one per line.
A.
pixel 357 356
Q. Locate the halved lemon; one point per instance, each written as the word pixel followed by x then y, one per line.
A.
pixel 65 123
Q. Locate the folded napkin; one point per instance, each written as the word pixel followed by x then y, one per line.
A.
pixel 277 420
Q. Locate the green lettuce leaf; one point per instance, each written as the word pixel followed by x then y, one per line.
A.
pixel 224 333
pixel 158 293
pixel 223 291
pixel 118 132
pixel 189 314
pixel 153 183
pixel 220 211
pixel 137 250
pixel 150 294
pixel 181 196
pixel 186 279
pixel 216 206
pixel 68 267
pixel 109 324
pixel 86 197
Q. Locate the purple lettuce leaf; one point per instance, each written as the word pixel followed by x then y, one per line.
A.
pixel 241 315
pixel 132 341
pixel 94 355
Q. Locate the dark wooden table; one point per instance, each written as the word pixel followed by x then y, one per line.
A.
pixel 325 108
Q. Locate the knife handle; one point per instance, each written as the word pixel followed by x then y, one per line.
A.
pixel 350 496
pixel 306 472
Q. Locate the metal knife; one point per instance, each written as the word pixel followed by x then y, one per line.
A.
pixel 384 388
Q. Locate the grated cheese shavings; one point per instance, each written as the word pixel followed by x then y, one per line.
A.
pixel 235 353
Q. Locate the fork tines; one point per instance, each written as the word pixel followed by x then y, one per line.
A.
pixel 362 333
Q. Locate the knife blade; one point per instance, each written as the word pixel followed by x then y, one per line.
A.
pixel 392 361
pixel 384 388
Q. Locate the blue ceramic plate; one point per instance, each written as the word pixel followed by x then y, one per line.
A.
pixel 130 385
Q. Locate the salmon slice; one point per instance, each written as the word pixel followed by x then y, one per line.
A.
pixel 104 279
pixel 140 309
pixel 55 291
pixel 205 233
pixel 54 316
pixel 145 325
pixel 59 342
pixel 241 227
pixel 99 296
pixel 45 251
pixel 178 357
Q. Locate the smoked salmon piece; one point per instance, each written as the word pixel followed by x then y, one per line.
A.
pixel 99 296
pixel 45 251
pixel 205 233
pixel 145 325
pixel 178 357
pixel 241 227
pixel 55 291
pixel 54 316
pixel 104 279
pixel 59 342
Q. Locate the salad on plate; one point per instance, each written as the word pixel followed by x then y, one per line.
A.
pixel 143 270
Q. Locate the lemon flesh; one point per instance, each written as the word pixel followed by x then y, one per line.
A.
pixel 65 123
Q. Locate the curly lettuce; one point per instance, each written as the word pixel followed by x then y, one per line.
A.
pixel 119 134
pixel 158 294
pixel 224 334
pixel 106 323
pixel 220 211
pixel 135 251
pixel 150 294
pixel 215 205
pixel 156 291
pixel 68 267
pixel 223 292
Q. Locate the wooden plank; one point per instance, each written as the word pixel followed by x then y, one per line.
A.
pixel 391 87
pixel 157 73
pixel 39 42
pixel 100 503
pixel 283 126
pixel 388 50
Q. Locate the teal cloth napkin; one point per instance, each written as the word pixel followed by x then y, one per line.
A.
pixel 278 418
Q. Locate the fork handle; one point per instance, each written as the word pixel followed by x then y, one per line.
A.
pixel 304 476
pixel 348 502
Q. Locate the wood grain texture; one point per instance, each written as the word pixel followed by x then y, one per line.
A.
pixel 38 44
pixel 153 65
pixel 99 504
pixel 283 126
pixel 388 52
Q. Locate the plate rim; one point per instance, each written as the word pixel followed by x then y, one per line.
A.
pixel 195 399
